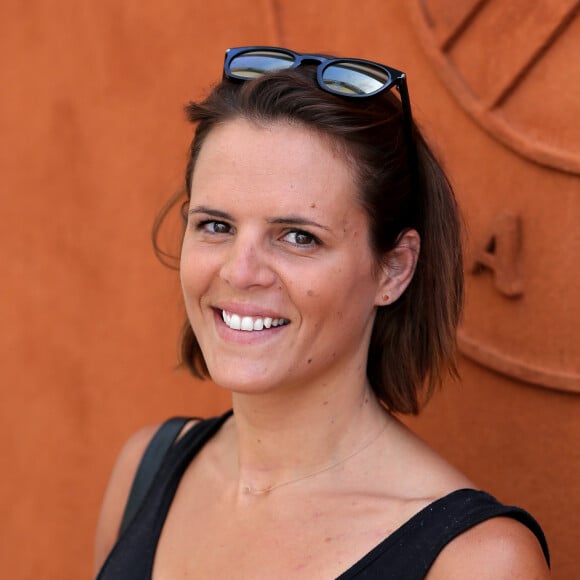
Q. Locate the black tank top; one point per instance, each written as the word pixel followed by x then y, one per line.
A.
pixel 406 554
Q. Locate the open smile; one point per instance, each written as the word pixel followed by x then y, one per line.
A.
pixel 251 323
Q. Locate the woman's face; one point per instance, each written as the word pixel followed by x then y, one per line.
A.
pixel 277 243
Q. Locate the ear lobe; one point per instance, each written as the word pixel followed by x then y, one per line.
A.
pixel 399 267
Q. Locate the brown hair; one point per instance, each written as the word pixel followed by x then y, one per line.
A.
pixel 401 186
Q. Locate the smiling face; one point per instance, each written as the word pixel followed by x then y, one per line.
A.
pixel 277 272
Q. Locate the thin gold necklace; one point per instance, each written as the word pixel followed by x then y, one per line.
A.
pixel 249 490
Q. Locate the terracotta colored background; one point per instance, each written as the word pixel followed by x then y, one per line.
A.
pixel 93 141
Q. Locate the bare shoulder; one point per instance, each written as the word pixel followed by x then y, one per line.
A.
pixel 421 471
pixel 499 548
pixel 118 489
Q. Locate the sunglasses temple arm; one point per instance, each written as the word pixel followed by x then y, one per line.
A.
pixel 406 106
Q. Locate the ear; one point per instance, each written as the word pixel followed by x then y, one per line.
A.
pixel 398 269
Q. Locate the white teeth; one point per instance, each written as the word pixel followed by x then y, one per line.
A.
pixel 251 323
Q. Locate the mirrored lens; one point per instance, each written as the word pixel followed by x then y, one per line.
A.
pixel 351 78
pixel 249 65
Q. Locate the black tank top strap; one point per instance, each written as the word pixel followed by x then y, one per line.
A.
pixel 150 464
pixel 133 555
pixel 409 552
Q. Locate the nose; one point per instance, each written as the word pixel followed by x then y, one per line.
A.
pixel 247 265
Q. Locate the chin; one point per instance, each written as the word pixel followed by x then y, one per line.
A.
pixel 242 381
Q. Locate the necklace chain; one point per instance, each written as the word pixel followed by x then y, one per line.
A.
pixel 248 489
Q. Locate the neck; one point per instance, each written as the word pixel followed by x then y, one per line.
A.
pixel 291 438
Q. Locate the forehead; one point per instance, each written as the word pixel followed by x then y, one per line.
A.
pixel 273 158
pixel 242 145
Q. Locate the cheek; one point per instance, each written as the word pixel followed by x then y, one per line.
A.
pixel 197 266
pixel 191 279
pixel 330 291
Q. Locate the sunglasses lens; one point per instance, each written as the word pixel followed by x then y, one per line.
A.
pixel 354 78
pixel 255 63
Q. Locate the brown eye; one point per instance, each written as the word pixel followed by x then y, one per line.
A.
pixel 214 227
pixel 301 238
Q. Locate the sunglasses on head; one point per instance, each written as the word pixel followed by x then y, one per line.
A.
pixel 347 77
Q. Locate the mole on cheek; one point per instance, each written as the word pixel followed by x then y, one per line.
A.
pixel 310 293
pixel 312 205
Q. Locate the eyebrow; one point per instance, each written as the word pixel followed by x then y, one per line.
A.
pixel 297 221
pixel 213 212
pixel 287 220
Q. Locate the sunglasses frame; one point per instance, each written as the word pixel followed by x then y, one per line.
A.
pixel 396 78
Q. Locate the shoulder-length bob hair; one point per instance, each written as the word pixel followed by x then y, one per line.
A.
pixel 401 186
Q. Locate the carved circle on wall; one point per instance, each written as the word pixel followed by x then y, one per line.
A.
pixel 512 367
pixel 493 75
pixel 517 87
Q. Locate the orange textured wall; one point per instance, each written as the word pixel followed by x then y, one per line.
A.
pixel 93 141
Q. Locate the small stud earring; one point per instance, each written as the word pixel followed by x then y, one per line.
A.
pixel 386 298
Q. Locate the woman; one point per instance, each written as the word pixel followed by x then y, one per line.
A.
pixel 321 273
